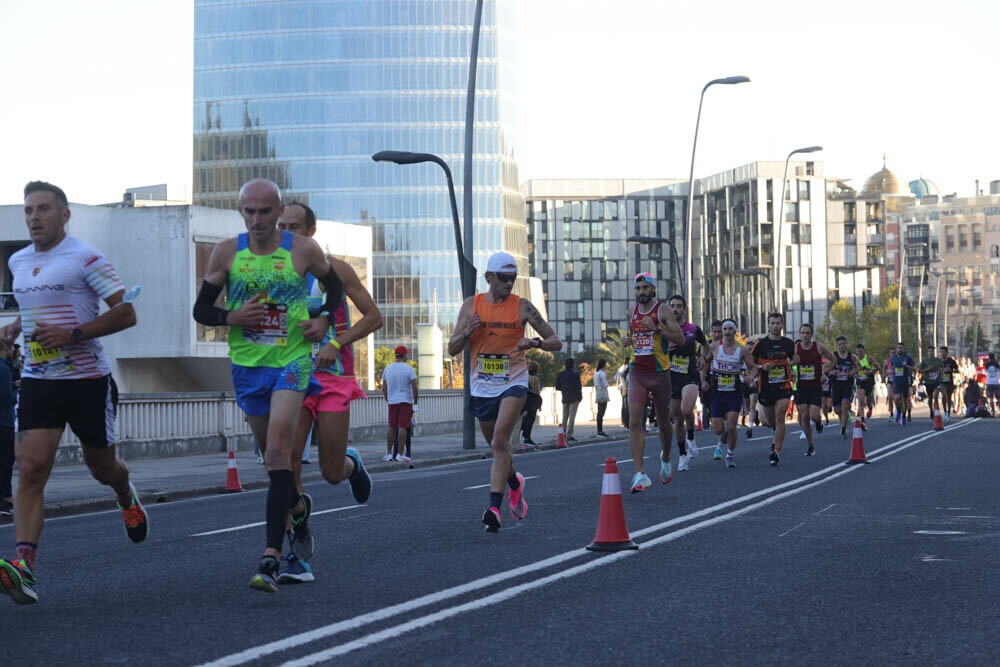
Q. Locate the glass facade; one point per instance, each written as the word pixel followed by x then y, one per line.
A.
pixel 304 92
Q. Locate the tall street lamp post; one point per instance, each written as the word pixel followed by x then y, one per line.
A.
pixel 673 252
pixel 728 81
pixel 466 273
pixel 779 223
pixel 960 281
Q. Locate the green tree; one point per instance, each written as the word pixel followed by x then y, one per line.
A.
pixel 547 369
pixel 612 349
pixel 841 320
pixel 973 339
pixel 383 357
pixel 878 324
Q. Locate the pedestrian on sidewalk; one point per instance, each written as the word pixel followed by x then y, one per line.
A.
pixel 568 384
pixel 601 396
pixel 60 282
pixel 492 325
pixel 399 387
pixel 532 404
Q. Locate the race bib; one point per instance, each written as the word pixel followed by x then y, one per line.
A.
pixel 494 368
pixel 807 373
pixel 642 343
pixel 679 364
pixel 898 371
pixel 945 377
pixel 776 375
pixel 727 383
pixel 273 329
pixel 862 375
pixel 932 376
pixel 842 375
pixel 43 361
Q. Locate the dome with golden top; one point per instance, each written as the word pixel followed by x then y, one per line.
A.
pixel 884 182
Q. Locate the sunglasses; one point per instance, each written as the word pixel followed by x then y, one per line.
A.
pixel 506 277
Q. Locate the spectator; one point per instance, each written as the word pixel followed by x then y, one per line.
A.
pixel 533 403
pixel 973 394
pixel 622 378
pixel 568 384
pixel 601 396
pixel 399 386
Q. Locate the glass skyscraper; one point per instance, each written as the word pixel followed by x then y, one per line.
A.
pixel 304 92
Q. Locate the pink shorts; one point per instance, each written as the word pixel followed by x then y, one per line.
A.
pixel 336 394
pixel 401 415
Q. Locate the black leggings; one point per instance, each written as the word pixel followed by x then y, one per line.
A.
pixel 6 461
pixel 601 409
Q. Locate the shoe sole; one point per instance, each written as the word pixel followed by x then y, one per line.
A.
pixel 135 496
pixel 286 578
pixel 491 521
pixel 670 478
pixel 359 465
pixel 13 584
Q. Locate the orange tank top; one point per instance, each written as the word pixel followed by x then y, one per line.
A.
pixel 497 364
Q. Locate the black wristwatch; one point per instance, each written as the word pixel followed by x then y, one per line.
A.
pixel 539 341
pixel 76 335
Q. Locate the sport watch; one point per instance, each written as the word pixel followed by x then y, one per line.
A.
pixel 76 335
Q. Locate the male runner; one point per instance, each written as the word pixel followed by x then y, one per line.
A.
pixel 263 272
pixel 843 374
pixel 866 383
pixel 774 355
pixel 685 380
pixel 652 328
pixel 901 372
pixel 992 370
pixel 930 372
pixel 949 375
pixel 808 390
pixel 59 282
pixel 492 324
pixel 330 410
pixel 726 360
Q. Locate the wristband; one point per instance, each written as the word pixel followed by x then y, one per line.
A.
pixel 539 341
pixel 335 343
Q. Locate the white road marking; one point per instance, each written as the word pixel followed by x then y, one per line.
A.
pixel 486 486
pixel 233 529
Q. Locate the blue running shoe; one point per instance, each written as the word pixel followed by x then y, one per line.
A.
pixel 717 456
pixel 266 578
pixel 294 570
pixel 640 482
pixel 361 481
pixel 666 472
pixel 18 582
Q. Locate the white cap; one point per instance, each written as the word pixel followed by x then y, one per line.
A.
pixel 501 262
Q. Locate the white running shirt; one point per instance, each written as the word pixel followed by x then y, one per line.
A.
pixel 63 286
pixel 397 377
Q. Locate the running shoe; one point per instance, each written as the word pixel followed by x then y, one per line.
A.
pixel 260 459
pixel 302 542
pixel 529 441
pixel 730 463
pixel 717 456
pixel 946 418
pixel 403 457
pixel 136 522
pixel 361 481
pixel 775 458
pixel 294 570
pixel 682 463
pixel 819 427
pixel 266 578
pixel 843 433
pixel 749 433
pixel 518 505
pixel 491 517
pixel 692 448
pixel 802 435
pixel 811 450
pixel 864 425
pixel 640 482
pixel 6 508
pixel 387 457
pixel 600 433
pixel 667 471
pixel 18 581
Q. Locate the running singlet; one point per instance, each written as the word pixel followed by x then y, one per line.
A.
pixel 931 368
pixel 344 366
pixel 780 353
pixel 62 286
pixel 992 373
pixel 649 349
pixel 865 370
pixel 684 357
pixel 810 367
pixel 497 364
pixel 842 369
pixel 899 370
pixel 948 369
pixel 279 340
pixel 725 371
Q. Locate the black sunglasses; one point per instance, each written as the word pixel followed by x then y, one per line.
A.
pixel 506 277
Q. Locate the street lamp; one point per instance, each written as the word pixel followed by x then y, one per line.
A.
pixel 673 251
pixel 728 81
pixel 899 292
pixel 764 271
pixel 466 275
pixel 960 281
pixel 780 223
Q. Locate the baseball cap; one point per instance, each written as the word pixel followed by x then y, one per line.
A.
pixel 401 350
pixel 645 277
pixel 501 262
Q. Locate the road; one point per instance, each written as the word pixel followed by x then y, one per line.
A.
pixel 813 562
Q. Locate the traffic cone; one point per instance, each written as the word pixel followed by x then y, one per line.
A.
pixel 561 440
pixel 698 426
pixel 938 424
pixel 232 475
pixel 612 533
pixel 858 446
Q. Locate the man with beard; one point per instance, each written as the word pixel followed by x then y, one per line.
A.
pixel 774 355
pixel 685 381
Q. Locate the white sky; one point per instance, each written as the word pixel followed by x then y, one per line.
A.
pixel 98 93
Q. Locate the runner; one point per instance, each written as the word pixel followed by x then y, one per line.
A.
pixel 263 272
pixel 901 372
pixel 774 354
pixel 992 371
pixel 492 325
pixel 808 393
pixel 715 334
pixel 651 329
pixel 866 383
pixel 844 372
pixel 329 411
pixel 59 282
pixel 887 374
pixel 949 374
pixel 726 359
pixel 930 372
pixel 686 362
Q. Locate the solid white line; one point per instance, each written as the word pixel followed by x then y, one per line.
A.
pixel 486 486
pixel 245 526
pixel 258 652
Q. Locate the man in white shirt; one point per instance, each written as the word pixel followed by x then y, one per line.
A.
pixel 399 386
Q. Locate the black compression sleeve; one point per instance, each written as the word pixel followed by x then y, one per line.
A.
pixel 205 310
pixel 334 289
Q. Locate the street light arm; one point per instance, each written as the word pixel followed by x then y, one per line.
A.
pixel 406 157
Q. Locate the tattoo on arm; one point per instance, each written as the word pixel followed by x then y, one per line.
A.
pixel 538 322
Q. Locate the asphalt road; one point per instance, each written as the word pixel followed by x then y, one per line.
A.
pixel 812 562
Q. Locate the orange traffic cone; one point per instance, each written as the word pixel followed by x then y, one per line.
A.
pixel 698 426
pixel 858 446
pixel 612 533
pixel 561 440
pixel 938 424
pixel 232 475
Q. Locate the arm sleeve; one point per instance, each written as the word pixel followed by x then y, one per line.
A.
pixel 334 289
pixel 205 310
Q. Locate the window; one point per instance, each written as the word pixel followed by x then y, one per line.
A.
pixel 202 251
pixel 803 190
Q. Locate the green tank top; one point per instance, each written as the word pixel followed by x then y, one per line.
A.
pixel 278 341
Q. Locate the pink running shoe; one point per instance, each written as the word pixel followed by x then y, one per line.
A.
pixel 518 506
pixel 491 517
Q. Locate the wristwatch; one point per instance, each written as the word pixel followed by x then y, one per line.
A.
pixel 76 335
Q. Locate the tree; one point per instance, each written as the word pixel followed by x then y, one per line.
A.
pixel 383 357
pixel 973 340
pixel 616 352
pixel 841 320
pixel 547 369
pixel 878 324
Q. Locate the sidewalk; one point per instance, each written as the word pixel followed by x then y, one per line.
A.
pixel 72 490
